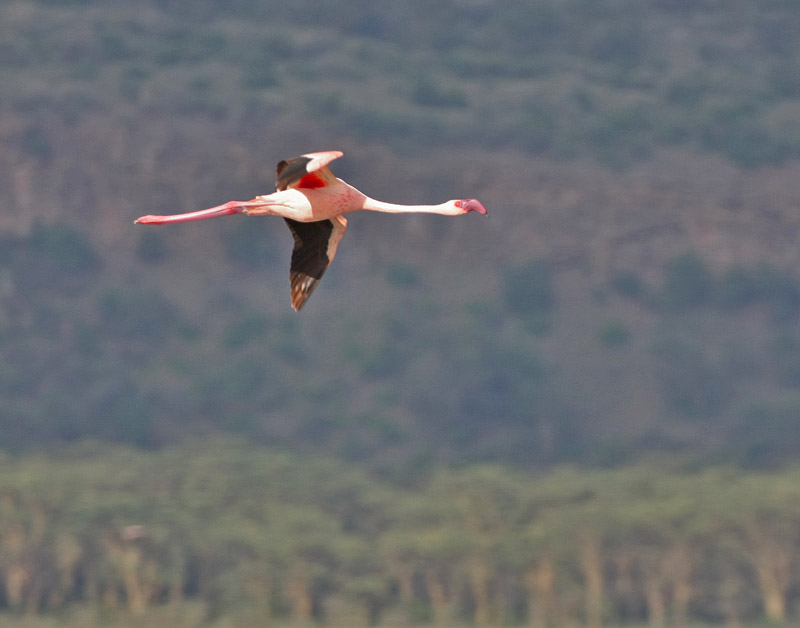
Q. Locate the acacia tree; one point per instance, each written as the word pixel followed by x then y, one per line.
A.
pixel 528 554
pixel 584 513
pixel 488 506
pixel 365 578
pixel 655 528
pixel 400 549
pixel 766 526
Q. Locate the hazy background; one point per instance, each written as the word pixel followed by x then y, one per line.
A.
pixel 584 409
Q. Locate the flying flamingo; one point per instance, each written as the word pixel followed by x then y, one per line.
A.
pixel 313 203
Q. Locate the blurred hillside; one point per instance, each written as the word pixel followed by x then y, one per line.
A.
pixel 634 289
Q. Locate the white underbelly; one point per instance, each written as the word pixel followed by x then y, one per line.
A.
pixel 309 205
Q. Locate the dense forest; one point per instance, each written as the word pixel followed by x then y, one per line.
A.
pixel 580 410
pixel 188 536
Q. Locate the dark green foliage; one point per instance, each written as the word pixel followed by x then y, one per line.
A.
pixel 530 293
pixel 784 80
pixel 694 383
pixel 538 129
pixel 738 288
pixel 35 143
pixel 252 244
pixel 622 46
pixel 535 29
pixel 115 42
pixel 735 131
pixel 494 394
pixel 64 245
pixel 614 334
pixel 378 362
pixel 183 44
pixel 249 329
pixel 785 349
pixel 139 315
pixel 127 416
pixel 617 136
pixel 628 283
pixel 77 3
pixel 389 124
pixel 686 91
pixel 687 282
pixel 132 81
pixel 152 248
pixel 490 398
pixel 768 430
pixel 763 284
pixel 288 341
pixel 429 94
pixel 403 275
pixel 237 380
pixel 259 75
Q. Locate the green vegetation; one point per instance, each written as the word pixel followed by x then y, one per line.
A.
pixel 138 367
pixel 601 81
pixel 222 532
pixel 633 298
pixel 113 113
pixel 530 294
pixel 614 334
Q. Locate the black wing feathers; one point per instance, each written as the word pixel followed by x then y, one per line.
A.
pixel 291 171
pixel 309 257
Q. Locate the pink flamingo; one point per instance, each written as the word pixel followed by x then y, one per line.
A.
pixel 313 202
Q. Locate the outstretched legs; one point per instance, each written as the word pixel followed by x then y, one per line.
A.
pixel 231 207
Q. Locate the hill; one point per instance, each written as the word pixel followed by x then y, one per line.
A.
pixel 633 291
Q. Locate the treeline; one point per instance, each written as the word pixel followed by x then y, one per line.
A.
pixel 261 537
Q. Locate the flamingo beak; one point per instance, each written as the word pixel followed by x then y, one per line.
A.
pixel 473 205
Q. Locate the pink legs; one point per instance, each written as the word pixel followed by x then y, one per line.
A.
pixel 231 207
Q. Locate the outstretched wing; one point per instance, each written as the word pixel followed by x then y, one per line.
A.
pixel 315 245
pixel 307 171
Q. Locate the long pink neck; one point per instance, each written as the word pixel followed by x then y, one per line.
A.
pixel 448 209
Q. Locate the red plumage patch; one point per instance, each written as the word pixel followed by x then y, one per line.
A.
pixel 312 181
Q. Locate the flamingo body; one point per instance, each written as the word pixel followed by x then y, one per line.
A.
pixel 313 203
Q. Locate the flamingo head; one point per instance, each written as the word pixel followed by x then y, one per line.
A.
pixel 467 205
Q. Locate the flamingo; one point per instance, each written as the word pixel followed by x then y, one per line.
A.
pixel 313 203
